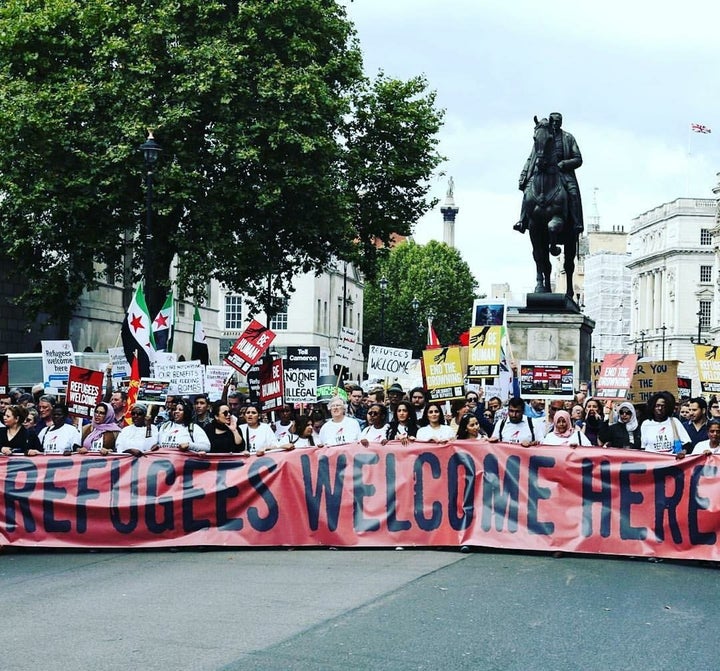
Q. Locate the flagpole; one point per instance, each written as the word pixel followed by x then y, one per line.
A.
pixel 687 164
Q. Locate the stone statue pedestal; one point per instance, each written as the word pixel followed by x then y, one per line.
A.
pixel 552 328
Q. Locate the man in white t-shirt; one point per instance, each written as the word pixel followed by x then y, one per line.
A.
pixel 516 428
pixel 339 429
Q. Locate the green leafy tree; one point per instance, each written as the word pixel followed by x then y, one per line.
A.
pixel 278 154
pixel 437 278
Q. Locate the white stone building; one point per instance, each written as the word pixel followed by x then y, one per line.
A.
pixel 673 269
pixel 313 315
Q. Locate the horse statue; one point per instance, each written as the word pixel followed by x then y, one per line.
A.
pixel 546 209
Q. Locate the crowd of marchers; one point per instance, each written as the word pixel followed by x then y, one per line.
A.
pixel 36 423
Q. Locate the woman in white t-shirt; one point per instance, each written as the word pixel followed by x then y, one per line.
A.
pixel 712 444
pixel 377 428
pixel 258 436
pixel 434 429
pixel 138 437
pixel 60 437
pixel 562 432
pixel 659 433
pixel 181 433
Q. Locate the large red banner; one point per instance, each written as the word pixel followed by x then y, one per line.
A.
pixel 588 500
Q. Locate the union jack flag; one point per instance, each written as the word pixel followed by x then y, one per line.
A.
pixel 700 128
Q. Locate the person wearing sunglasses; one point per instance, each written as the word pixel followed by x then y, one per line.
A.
pixel 138 437
pixel 223 431
pixel 377 428
pixel 625 433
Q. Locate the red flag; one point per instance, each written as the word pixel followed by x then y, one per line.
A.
pixel 132 389
pixel 433 341
pixel 464 338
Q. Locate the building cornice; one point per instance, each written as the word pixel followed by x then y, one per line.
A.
pixel 669 254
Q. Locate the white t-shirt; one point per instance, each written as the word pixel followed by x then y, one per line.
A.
pixel 282 433
pixel 340 433
pixel 172 435
pixel 575 438
pixel 58 441
pixel 703 446
pixel 517 433
pixel 659 436
pixel 134 438
pixel 373 435
pixel 262 438
pixel 443 432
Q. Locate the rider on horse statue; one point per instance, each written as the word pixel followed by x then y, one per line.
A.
pixel 569 159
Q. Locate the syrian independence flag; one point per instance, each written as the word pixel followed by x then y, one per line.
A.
pixel 199 343
pixel 163 326
pixel 137 333
pixel 700 128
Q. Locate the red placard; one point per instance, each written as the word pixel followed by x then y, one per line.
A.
pixel 249 347
pixel 616 374
pixel 271 384
pixel 4 374
pixel 84 391
pixel 591 500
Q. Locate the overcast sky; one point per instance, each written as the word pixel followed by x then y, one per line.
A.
pixel 629 78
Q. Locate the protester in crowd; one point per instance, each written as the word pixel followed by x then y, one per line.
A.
pixel 712 444
pixel 201 411
pixel 15 438
pixel 472 398
pixel 100 435
pixel 45 406
pixel 470 429
pixel 284 424
pixel 181 432
pixel 140 435
pixel 494 405
pixel 318 419
pixel 562 432
pixel 535 408
pixel 403 425
pixel 234 403
pixel 714 408
pixel 661 430
pixel 696 422
pixel 458 409
pixel 516 427
pixel 118 401
pixel 375 396
pixel 625 433
pixel 258 436
pixel 581 395
pixel 377 429
pixel 224 431
pixel 577 415
pixel 5 403
pixel 301 436
pixel 30 422
pixel 684 411
pixel 339 429
pixel 26 401
pixel 355 407
pixel 60 437
pixel 434 429
pixel 418 399
pixel 593 420
pixel 395 394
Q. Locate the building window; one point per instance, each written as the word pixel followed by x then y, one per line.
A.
pixel 233 312
pixel 705 236
pixel 279 322
pixel 705 312
pixel 706 273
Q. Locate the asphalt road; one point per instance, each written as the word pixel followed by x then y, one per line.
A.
pixel 353 609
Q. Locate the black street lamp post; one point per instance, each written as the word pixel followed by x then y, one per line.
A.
pixel 151 151
pixel 383 290
pixel 700 340
pixel 663 328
